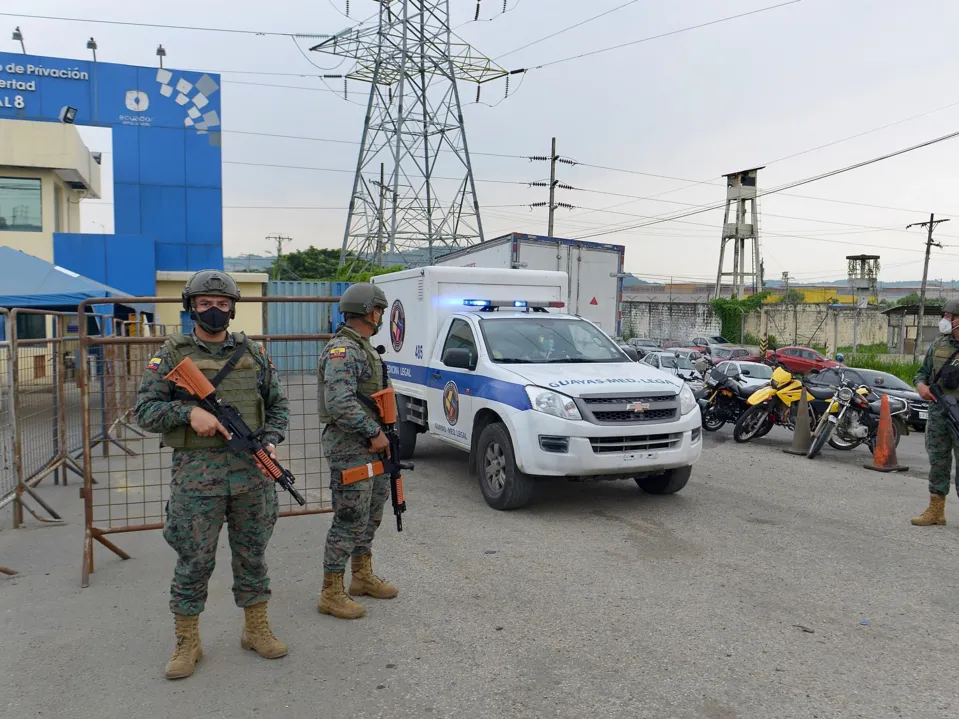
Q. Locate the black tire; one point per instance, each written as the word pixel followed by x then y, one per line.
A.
pixel 898 429
pixel 750 423
pixel 407 431
pixel 502 484
pixel 669 482
pixel 843 446
pixel 711 422
pixel 767 428
pixel 820 439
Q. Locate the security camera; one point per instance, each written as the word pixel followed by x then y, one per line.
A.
pixel 68 114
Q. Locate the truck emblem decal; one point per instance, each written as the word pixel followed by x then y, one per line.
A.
pixel 451 403
pixel 637 407
pixel 397 325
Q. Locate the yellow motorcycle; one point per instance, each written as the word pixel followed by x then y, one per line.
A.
pixel 778 403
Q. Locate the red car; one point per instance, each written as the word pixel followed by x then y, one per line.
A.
pixel 799 360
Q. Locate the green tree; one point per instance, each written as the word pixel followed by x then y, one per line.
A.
pixel 910 299
pixel 308 264
pixel 793 297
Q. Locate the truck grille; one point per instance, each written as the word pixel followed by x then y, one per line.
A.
pixel 635 443
pixel 615 409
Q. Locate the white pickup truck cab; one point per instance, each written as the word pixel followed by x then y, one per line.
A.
pixel 488 360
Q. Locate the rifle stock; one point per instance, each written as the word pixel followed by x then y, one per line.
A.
pixel 190 379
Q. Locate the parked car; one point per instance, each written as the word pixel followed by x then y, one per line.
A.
pixel 753 374
pixel 720 353
pixel 799 360
pixel 883 383
pixel 675 364
pixel 709 341
pixel 641 343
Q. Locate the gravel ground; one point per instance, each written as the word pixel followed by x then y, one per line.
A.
pixel 772 586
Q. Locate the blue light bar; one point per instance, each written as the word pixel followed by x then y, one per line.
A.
pixel 519 303
pixel 476 303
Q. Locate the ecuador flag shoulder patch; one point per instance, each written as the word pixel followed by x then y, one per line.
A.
pixel 154 364
pixel 338 353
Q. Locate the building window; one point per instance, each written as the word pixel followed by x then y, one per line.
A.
pixel 20 207
pixel 57 208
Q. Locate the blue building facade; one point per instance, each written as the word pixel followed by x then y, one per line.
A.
pixel 167 171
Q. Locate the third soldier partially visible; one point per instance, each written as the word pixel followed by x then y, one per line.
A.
pixel 941 366
pixel 353 435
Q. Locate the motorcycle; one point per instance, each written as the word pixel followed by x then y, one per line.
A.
pixel 777 403
pixel 852 417
pixel 723 399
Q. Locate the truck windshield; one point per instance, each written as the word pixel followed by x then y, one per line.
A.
pixel 535 340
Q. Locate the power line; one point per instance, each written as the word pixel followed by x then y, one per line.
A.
pixel 124 23
pixel 662 35
pixel 567 29
pixel 790 185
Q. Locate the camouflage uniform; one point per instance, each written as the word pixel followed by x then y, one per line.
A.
pixel 212 482
pixel 940 444
pixel 348 365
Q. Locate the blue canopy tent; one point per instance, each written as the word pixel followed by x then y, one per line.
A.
pixel 28 281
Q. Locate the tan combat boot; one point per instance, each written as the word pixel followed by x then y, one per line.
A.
pixel 365 582
pixel 258 636
pixel 188 650
pixel 935 513
pixel 334 600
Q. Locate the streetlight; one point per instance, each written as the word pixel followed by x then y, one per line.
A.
pixel 18 37
pixel 92 45
pixel 161 53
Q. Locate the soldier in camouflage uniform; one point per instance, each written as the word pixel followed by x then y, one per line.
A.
pixel 353 436
pixel 941 366
pixel 212 483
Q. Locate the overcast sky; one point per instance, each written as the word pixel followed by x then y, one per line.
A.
pixel 694 105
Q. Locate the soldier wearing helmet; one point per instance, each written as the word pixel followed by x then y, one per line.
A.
pixel 352 436
pixel 212 483
pixel 940 366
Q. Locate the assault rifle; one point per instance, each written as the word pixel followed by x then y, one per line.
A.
pixel 384 404
pixel 949 406
pixel 190 379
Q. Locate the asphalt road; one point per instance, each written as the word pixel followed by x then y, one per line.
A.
pixel 772 586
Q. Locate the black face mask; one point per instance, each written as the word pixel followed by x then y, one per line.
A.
pixel 212 320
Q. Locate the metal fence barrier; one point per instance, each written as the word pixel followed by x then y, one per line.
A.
pixel 41 408
pixel 127 491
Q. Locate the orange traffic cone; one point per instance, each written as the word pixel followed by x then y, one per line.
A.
pixel 884 456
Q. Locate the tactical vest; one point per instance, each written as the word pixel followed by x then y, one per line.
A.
pixel 239 389
pixel 365 387
pixel 944 350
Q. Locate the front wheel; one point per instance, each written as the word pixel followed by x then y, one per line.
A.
pixel 407 431
pixel 711 422
pixel 670 482
pixel 823 432
pixel 751 423
pixel 502 484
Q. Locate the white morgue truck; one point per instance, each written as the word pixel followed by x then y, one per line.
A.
pixel 490 361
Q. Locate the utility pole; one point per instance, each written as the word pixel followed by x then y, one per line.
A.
pixel 786 284
pixel 930 226
pixel 278 240
pixel 381 225
pixel 552 205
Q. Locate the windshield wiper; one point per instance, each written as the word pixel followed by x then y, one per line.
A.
pixel 512 360
pixel 576 360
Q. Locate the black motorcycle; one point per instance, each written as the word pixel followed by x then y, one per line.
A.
pixel 723 399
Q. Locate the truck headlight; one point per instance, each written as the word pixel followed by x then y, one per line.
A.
pixel 550 402
pixel 687 400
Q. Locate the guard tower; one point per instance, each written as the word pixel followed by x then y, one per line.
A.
pixel 743 232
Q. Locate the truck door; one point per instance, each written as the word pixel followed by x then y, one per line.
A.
pixel 449 391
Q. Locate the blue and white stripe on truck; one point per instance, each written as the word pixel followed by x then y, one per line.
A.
pixel 468 383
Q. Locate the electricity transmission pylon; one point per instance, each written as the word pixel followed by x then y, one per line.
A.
pixel 414 125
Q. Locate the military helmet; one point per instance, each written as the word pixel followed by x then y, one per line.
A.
pixel 361 298
pixel 952 307
pixel 210 282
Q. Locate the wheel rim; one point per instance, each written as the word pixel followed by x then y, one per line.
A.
pixel 753 424
pixel 494 468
